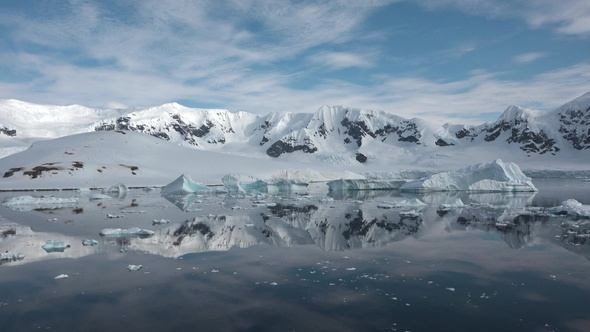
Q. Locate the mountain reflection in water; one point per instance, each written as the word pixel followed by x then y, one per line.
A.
pixel 297 262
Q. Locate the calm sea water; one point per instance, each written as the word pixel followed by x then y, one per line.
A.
pixel 300 262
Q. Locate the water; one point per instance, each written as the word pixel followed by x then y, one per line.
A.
pixel 301 262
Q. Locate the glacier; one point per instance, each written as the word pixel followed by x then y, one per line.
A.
pixel 496 176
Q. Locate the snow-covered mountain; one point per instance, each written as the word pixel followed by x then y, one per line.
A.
pixel 330 135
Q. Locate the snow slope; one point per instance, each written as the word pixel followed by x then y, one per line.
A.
pixel 105 158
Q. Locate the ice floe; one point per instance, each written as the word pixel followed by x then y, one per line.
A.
pixel 571 207
pixel 496 176
pixel 29 203
pixel 133 231
pixel 55 246
pixel 10 256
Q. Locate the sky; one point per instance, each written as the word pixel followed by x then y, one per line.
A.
pixel 460 61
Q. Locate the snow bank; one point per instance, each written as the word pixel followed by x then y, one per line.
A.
pixel 496 176
pixel 572 207
pixel 28 203
pixel 184 185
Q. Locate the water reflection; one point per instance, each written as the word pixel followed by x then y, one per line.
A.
pixel 487 266
pixel 221 222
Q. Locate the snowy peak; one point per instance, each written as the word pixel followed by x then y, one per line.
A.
pixel 574 122
pixel 330 133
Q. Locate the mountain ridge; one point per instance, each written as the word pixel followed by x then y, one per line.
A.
pixel 351 134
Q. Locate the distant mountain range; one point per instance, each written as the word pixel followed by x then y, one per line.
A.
pixel 331 134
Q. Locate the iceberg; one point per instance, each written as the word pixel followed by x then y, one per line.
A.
pixel 118 191
pixel 496 176
pixel 55 246
pixel 133 231
pixel 29 203
pixel 364 184
pixel 571 207
pixel 184 185
pixel 89 242
pixel 132 267
pixel 239 183
pixel 412 202
pixel 10 256
pixel 455 204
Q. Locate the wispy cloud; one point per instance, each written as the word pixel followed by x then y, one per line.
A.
pixel 568 17
pixel 529 57
pixel 340 60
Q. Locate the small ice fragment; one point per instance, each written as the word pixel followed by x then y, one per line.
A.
pixel 350 268
pixel 10 256
pixel 134 231
pixel 132 267
pixel 214 271
pixel 160 222
pixel 89 242
pixel 61 276
pixel 452 289
pixel 273 284
pixel 114 216
pixel 55 246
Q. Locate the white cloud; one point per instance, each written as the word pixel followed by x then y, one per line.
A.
pixel 529 57
pixel 340 60
pixel 568 17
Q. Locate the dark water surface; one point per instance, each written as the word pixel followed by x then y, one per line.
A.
pixel 301 262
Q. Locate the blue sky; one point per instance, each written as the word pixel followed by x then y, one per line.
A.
pixel 462 61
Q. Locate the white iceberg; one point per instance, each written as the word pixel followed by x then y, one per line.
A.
pixel 89 242
pixel 496 176
pixel 29 203
pixel 456 203
pixel 412 202
pixel 55 246
pixel 184 185
pixel 133 231
pixel 118 191
pixel 132 267
pixel 61 276
pixel 239 183
pixel 160 221
pixel 571 207
pixel 10 256
pixel 364 184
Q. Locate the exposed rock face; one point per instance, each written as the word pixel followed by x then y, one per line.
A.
pixel 574 125
pixel 7 131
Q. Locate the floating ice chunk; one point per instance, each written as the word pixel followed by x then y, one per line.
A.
pixel 119 190
pixel 184 185
pixel 572 207
pixel 456 203
pixel 364 184
pixel 55 246
pixel 412 202
pixel 239 183
pixel 114 216
pixel 61 276
pixel 89 242
pixel 452 289
pixel 29 203
pixel 496 176
pixel 160 222
pixel 134 231
pixel 132 267
pixel 98 197
pixel 10 256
